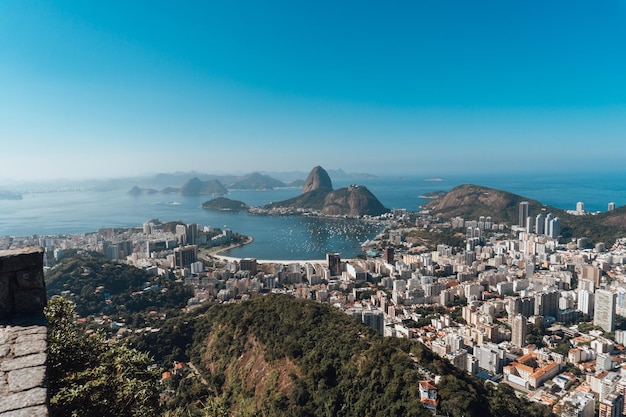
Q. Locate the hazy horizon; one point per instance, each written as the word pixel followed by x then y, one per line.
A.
pixel 115 90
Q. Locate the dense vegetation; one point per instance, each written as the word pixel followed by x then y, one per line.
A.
pixel 279 356
pixel 431 239
pixel 223 203
pixel 101 286
pixel 89 377
pixel 270 356
pixel 351 201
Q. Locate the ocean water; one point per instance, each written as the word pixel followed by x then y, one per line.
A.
pixel 288 237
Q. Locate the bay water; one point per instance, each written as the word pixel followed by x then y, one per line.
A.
pixel 289 237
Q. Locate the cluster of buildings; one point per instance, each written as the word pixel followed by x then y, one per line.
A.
pixel 513 306
pixel 522 295
pixel 156 246
pixel 541 224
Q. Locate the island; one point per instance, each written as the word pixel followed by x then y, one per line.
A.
pixel 224 204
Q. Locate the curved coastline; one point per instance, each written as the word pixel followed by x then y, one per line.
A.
pixel 218 254
pixel 218 251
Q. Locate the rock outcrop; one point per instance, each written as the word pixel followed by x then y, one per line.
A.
pixel 318 195
pixel 317 179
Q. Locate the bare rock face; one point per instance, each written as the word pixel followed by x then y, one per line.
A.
pixel 318 179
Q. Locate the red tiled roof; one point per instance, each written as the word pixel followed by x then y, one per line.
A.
pixel 427 385
pixel 430 401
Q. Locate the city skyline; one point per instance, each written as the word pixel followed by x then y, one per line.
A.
pixel 114 89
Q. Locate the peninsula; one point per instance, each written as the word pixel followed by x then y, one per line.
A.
pixel 319 197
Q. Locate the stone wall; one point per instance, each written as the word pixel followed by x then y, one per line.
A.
pixel 23 334
pixel 22 285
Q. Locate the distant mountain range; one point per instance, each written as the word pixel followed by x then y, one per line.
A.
pixel 199 184
pixel 253 181
pixel 10 189
pixel 215 186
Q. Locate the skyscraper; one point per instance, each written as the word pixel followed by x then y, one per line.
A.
pixel 552 226
pixel 519 326
pixel 539 224
pixel 546 303
pixel 334 263
pixel 604 314
pixel 546 227
pixel 585 301
pixel 388 255
pixel 523 214
pixel 192 233
pixel 524 306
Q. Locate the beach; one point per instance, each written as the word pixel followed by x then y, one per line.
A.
pixel 216 253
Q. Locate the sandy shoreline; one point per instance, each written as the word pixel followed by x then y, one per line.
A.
pixel 218 254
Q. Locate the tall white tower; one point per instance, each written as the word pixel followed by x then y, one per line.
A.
pixel 604 314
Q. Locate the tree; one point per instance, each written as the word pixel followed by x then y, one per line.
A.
pixel 89 377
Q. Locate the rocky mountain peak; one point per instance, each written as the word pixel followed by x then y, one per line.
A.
pixel 318 178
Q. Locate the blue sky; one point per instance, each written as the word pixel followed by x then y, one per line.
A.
pixel 108 89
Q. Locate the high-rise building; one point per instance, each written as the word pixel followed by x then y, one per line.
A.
pixel 519 327
pixel 374 319
pixel 591 273
pixel 248 264
pixel 611 206
pixel 585 301
pixel 539 224
pixel 604 313
pixel 524 306
pixel 553 226
pixel 334 263
pixel 181 234
pixel 184 256
pixel 523 213
pixel 546 303
pixel 192 233
pixel 389 255
pixel 546 223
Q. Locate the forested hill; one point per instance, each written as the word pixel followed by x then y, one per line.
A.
pixel 472 201
pixel 280 356
pixel 99 286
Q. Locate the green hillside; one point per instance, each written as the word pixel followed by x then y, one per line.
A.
pixel 97 286
pixel 280 356
pixel 472 201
